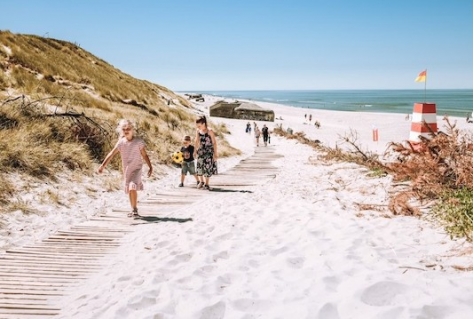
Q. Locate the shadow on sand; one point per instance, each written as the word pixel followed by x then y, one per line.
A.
pixel 223 190
pixel 155 219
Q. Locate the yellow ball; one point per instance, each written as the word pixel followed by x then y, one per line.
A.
pixel 177 157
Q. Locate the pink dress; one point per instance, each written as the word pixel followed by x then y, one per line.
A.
pixel 132 163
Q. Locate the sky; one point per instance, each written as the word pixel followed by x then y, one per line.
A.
pixel 199 45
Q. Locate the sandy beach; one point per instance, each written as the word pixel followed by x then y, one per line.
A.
pixel 297 245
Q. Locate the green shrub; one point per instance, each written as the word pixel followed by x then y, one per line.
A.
pixel 454 211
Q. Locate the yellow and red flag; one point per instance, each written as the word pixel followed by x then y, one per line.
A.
pixel 421 77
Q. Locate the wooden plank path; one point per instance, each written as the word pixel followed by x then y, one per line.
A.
pixel 34 278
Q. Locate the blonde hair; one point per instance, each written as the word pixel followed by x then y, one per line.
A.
pixel 121 124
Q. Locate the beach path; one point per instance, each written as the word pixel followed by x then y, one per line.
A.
pixel 35 278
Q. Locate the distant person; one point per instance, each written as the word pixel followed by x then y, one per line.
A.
pixel 248 128
pixel 305 116
pixel 265 134
pixel 257 135
pixel 132 151
pixel 310 116
pixel 469 118
pixel 206 152
pixel 188 165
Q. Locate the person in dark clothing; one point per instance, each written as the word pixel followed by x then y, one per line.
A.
pixel 188 160
pixel 265 134
pixel 205 151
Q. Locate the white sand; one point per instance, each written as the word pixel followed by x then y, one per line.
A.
pixel 297 247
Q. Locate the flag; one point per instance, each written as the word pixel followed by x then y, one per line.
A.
pixel 421 77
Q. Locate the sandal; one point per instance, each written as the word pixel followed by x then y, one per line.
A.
pixel 206 187
pixel 133 213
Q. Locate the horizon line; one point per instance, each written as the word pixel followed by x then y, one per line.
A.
pixel 227 90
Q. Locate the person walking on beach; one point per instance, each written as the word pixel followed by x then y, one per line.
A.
pixel 257 135
pixel 206 152
pixel 310 117
pixel 188 164
pixel 132 151
pixel 265 134
pixel 248 128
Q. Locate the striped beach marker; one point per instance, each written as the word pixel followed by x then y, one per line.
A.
pixel 423 112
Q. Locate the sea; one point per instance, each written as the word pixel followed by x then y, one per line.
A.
pixel 453 102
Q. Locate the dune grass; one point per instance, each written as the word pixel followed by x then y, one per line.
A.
pixel 59 107
pixel 440 170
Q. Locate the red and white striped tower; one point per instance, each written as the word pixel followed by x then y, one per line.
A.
pixel 423 113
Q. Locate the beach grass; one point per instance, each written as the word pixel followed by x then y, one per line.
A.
pixel 60 105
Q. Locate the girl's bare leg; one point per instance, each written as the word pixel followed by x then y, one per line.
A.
pixel 132 194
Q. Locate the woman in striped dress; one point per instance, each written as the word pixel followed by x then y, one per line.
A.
pixel 132 151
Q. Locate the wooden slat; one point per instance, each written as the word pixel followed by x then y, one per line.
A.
pixel 26 259
pixel 7 291
pixel 83 243
pixel 8 269
pixel 33 289
pixel 29 283
pixel 22 302
pixel 38 312
pixel 50 280
pixel 62 251
pixel 42 275
pixel 25 316
pixel 60 256
pixel 83 238
pixel 87 235
pixel 68 248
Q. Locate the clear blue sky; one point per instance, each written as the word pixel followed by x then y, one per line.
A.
pixel 264 44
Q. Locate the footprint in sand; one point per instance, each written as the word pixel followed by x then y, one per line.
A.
pixel 162 244
pixel 205 272
pixel 178 259
pixel 328 311
pixel 223 237
pixel 140 302
pixel 193 283
pixel 278 251
pixel 296 262
pixel 198 243
pixel 124 278
pixel 138 282
pixel 384 293
pixel 252 305
pixel 253 263
pixel 331 282
pixel 161 276
pixel 216 311
pixel 395 313
pixel 221 255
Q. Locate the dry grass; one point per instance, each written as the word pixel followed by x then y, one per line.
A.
pixel 60 105
pixel 439 170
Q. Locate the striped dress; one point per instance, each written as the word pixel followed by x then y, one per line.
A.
pixel 132 163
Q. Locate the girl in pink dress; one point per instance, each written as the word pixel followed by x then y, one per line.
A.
pixel 132 151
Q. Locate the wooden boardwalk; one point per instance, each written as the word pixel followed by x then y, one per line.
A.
pixel 34 278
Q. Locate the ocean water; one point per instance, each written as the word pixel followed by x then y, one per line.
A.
pixel 450 102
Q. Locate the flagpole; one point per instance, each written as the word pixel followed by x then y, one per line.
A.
pixel 426 78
